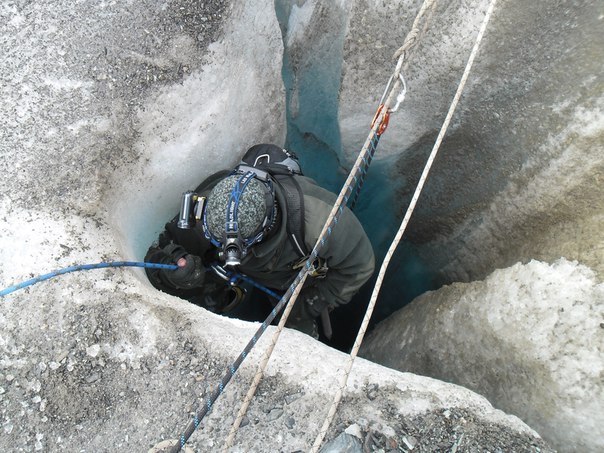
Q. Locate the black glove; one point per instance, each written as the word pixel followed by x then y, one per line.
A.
pixel 313 301
pixel 220 298
pixel 192 275
pixel 301 319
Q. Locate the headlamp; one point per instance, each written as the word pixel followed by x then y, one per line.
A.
pixel 232 252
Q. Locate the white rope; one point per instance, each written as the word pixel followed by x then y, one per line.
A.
pixel 411 39
pixel 399 234
pixel 340 201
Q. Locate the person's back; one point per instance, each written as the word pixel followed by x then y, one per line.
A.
pixel 256 222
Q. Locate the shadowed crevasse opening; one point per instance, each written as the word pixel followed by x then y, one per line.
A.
pixel 312 86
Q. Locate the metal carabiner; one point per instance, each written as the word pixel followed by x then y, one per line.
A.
pixel 401 96
pixel 385 120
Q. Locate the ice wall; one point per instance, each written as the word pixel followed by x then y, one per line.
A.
pixel 521 129
pixel 529 337
pixel 519 177
pixel 516 176
pixel 110 110
pixel 203 125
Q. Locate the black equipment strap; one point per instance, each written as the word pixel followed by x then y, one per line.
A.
pixel 295 211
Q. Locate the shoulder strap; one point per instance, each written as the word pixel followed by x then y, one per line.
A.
pixel 282 166
pixel 295 212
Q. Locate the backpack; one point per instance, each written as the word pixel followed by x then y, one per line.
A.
pixel 282 166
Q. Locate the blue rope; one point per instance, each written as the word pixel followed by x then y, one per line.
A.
pixel 84 267
pixel 360 181
pixel 235 276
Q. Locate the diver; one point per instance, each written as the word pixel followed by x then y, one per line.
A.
pixel 261 220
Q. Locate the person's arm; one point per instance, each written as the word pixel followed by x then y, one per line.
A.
pixel 348 254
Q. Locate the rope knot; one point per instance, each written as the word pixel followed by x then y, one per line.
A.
pixel 407 45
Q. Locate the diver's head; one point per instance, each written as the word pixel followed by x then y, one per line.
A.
pixel 239 212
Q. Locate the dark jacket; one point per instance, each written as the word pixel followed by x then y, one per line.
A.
pixel 347 252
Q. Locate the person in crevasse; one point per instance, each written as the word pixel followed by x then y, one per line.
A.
pixel 261 220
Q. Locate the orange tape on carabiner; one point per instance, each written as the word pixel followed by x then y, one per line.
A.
pixel 385 120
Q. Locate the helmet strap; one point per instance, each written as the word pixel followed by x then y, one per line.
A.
pixel 233 247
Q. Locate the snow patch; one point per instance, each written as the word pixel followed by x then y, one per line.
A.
pixel 64 83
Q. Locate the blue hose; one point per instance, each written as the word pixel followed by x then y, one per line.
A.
pixel 84 267
pixel 234 276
